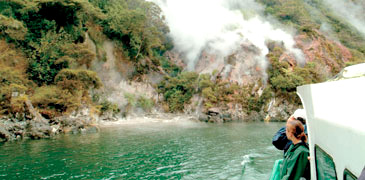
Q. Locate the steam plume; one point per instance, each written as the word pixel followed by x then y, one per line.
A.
pixel 352 11
pixel 220 27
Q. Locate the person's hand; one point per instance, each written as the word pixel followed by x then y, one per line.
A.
pixel 309 158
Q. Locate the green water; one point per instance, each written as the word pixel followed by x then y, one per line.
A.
pixel 147 151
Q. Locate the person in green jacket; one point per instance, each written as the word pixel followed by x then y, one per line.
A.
pixel 296 163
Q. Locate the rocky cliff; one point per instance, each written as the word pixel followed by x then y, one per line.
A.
pixel 223 61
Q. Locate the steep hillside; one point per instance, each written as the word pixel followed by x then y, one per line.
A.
pixel 48 62
pixel 255 60
pixel 66 64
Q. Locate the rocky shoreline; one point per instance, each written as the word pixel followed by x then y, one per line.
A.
pixel 13 129
pixel 31 125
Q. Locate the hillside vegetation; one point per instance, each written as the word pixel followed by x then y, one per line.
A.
pixel 44 57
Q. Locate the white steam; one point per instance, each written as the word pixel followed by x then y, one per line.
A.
pixel 219 27
pixel 352 11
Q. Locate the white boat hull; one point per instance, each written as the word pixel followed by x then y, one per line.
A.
pixel 336 123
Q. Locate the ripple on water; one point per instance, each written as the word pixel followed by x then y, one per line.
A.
pixel 175 149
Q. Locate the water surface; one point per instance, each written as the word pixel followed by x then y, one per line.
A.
pixel 149 150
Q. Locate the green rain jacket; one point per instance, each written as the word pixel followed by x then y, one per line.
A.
pixel 296 163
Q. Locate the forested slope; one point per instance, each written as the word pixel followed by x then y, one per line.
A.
pixel 46 62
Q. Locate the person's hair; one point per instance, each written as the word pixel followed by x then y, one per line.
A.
pixel 300 115
pixel 297 128
pixel 302 120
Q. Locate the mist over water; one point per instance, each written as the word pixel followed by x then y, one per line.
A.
pixel 220 27
pixel 116 84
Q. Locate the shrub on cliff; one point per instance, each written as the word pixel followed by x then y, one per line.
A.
pixel 139 29
pixel 44 63
pixel 48 31
pixel 284 78
pixel 12 84
pixel 13 80
pixel 44 15
pixel 178 91
pixel 11 28
pixel 77 79
pixel 145 103
pixel 169 67
pixel 107 106
pixel 286 82
pixel 135 26
pixel 67 95
pixel 52 101
pixel 311 16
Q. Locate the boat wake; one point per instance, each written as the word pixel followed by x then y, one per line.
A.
pixel 246 160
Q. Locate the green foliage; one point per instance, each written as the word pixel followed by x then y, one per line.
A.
pixel 309 73
pixel 79 79
pixel 10 76
pixel 45 15
pixel 95 32
pixel 287 82
pixel 344 31
pixel 256 102
pixel 131 99
pixel 43 65
pixel 177 91
pixel 280 77
pixel 284 79
pixel 102 4
pixel 107 106
pixel 137 25
pixel 209 94
pixel 139 29
pixel 205 81
pixel 18 106
pixel 49 32
pixel 53 101
pixel 139 101
pixel 11 81
pixel 145 103
pixel 220 93
pixel 168 66
pixel 309 16
pixel 292 12
pixel 12 57
pixel 217 93
pixel 77 55
pixel 12 28
pixel 51 35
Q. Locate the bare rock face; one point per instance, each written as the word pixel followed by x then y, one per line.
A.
pixel 213 111
pixel 4 133
pixel 38 127
pixel 245 67
pixel 279 110
pixel 11 129
pixel 331 54
pixel 115 72
pixel 108 116
pixel 176 58
pixel 38 130
pixel 242 67
pixel 34 126
pixel 80 121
